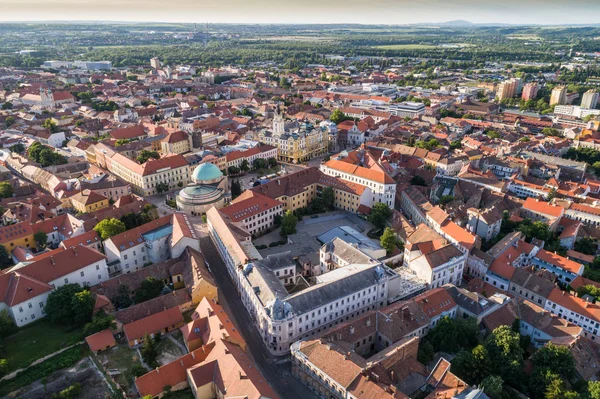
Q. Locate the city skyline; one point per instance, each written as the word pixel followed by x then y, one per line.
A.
pixel 389 12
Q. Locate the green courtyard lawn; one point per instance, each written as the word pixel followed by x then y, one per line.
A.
pixel 35 341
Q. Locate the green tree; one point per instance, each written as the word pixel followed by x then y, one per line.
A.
pixel 41 239
pixel 445 199
pixel 548 131
pixel 100 321
pixel 418 181
pixel 259 163
pixel 426 352
pixel 244 166
pixel 145 155
pixel 17 148
pixel 272 162
pixel 121 142
pixel 505 353
pixel 82 306
pixel 149 289
pixel 149 351
pixel 71 392
pixel 62 302
pixel 7 105
pixel 388 240
pixel 123 298
pixel 236 188
pixel 288 224
pixel 5 259
pixel 552 194
pixel 493 386
pixel 109 227
pixel 6 190
pixel 337 116
pixel 493 134
pixel 233 171
pixel 594 389
pixel 50 125
pixel 586 245
pixel 9 121
pixel 161 187
pixel 456 144
pixel 328 196
pixel 380 214
pixel 7 326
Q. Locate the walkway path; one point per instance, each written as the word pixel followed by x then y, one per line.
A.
pixel 38 361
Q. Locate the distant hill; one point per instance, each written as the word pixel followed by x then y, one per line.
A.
pixel 458 22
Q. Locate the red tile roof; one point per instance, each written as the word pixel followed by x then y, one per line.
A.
pixel 171 374
pixel 153 323
pixel 559 261
pixel 542 207
pixel 249 206
pixel 101 340
pixel 360 171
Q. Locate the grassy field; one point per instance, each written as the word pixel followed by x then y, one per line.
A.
pixel 406 47
pixel 36 341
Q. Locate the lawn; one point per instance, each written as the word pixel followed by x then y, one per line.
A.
pixel 35 341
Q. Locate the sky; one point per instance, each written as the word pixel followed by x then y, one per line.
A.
pixel 306 11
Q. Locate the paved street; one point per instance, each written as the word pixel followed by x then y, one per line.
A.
pixel 276 370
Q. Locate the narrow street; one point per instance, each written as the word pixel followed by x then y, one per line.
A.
pixel 277 371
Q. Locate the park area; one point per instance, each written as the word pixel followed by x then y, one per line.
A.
pixel 37 340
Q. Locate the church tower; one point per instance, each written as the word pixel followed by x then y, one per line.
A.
pixel 278 123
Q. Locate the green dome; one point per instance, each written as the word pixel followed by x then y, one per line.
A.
pixel 206 171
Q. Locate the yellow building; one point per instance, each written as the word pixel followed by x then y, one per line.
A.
pixel 298 144
pixel 298 189
pixel 88 201
pixel 175 143
pixel 17 235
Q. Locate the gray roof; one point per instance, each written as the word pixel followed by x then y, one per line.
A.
pixel 323 294
pixel 347 252
pixel 523 277
pixel 472 302
pixel 277 261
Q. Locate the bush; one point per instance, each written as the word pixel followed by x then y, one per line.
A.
pixel 65 359
pixel 138 370
pixel 274 244
pixel 69 393
pixel 261 247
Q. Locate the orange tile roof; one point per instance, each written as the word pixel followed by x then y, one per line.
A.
pixel 581 281
pixel 101 340
pixel 153 323
pixel 133 237
pixel 559 261
pixel 223 367
pixel 543 207
pixel 435 301
pixel 359 171
pixel 461 235
pixel 250 206
pixel 171 374
pixel 575 304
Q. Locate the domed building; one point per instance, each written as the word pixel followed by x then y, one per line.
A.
pixel 209 188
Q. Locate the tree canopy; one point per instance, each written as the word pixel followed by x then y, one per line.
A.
pixel 380 214
pixel 109 227
pixel 70 304
pixel 288 224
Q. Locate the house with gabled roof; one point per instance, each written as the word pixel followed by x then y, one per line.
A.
pixel 24 288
